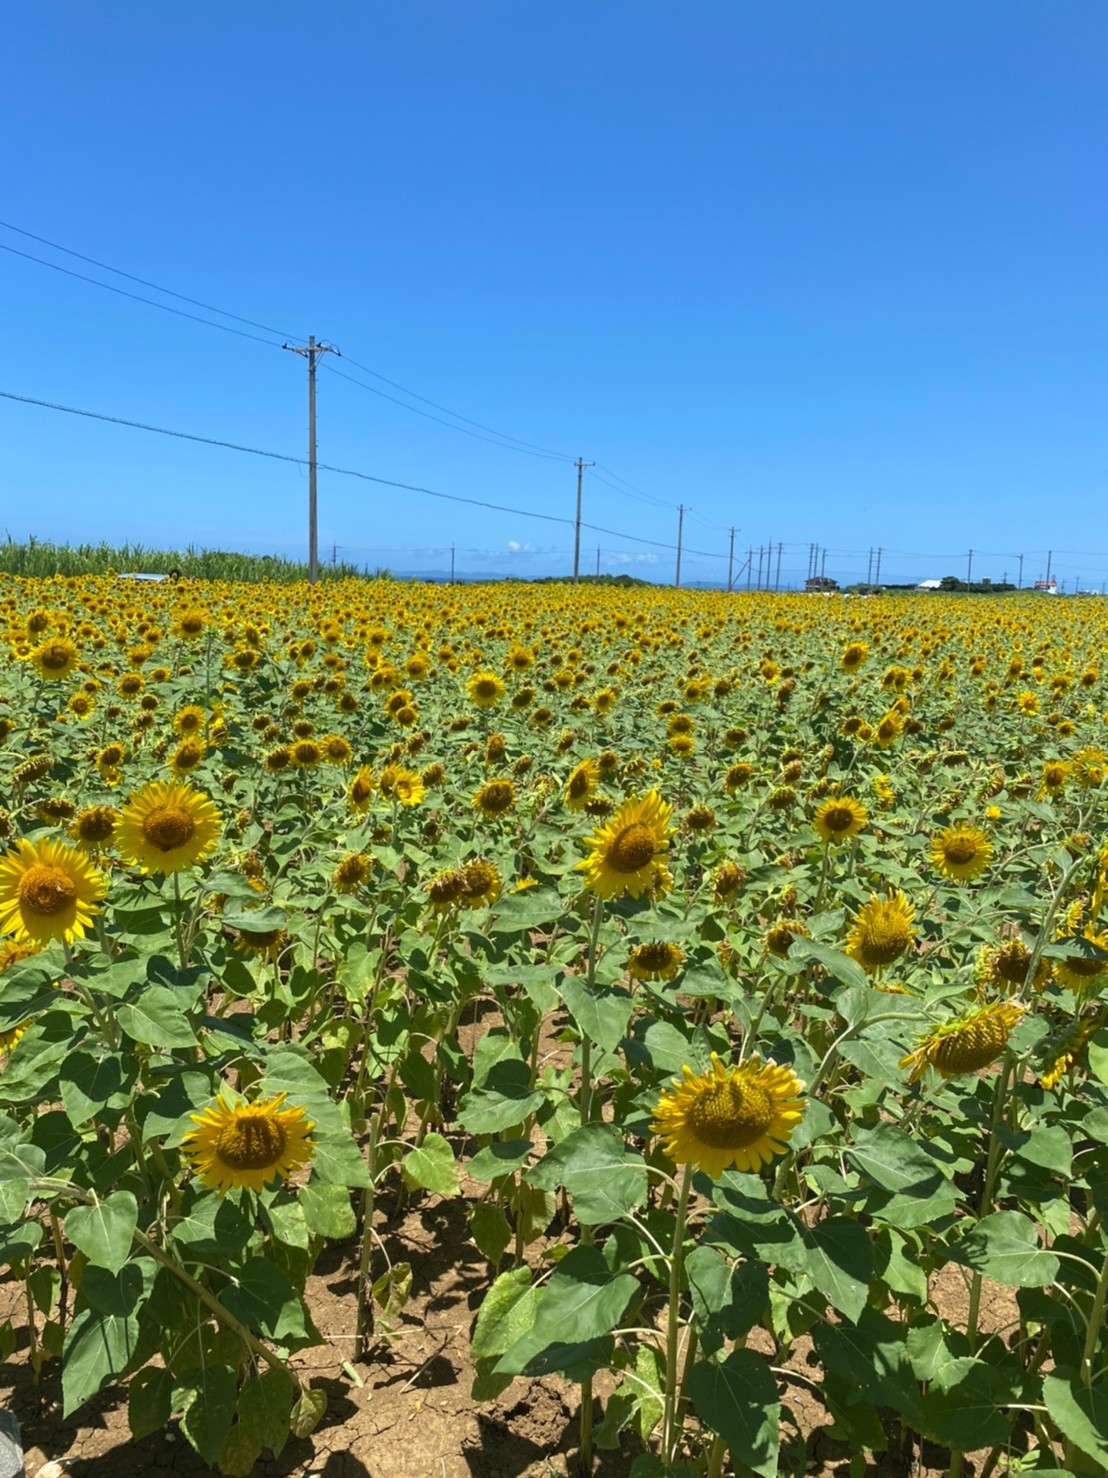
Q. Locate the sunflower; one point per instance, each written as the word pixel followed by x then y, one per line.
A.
pixel 495 797
pixel 729 878
pixel 408 788
pixel 485 689
pixel 1078 971
pixel 278 759
pixel 581 785
pixel 48 890
pixel 1089 767
pixel 189 624
pixel 93 827
pixel 481 883
pixel 336 750
pixel 261 944
pixel 700 819
pixel 779 937
pixel 854 656
pixel 1068 1052
pixel 108 762
pixel 445 889
pixel 738 1116
pixel 11 1036
pixel 1052 782
pixel 168 828
pixel 881 932
pixel 624 853
pixel 360 791
pixel 249 1145
pixel 352 872
pixel 889 730
pixel 54 659
pixel 839 819
pixel 305 754
pixel 186 756
pixel 967 1044
pixel 1005 966
pixel 658 960
pixel 961 853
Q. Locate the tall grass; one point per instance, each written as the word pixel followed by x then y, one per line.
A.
pixel 39 558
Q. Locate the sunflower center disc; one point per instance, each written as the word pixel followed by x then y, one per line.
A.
pixel 167 827
pixel 960 850
pixel 55 658
pixel 578 786
pixel 632 849
pixel 251 1143
pixel 886 939
pixel 839 818
pixel 46 890
pixel 971 1047
pixel 731 1115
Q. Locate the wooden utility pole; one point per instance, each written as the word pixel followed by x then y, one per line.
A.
pixel 680 527
pixel 580 465
pixel 1019 586
pixel 598 561
pixel 969 568
pixel 877 571
pixel 730 560
pixel 451 564
pixel 311 353
pixel 777 578
pixel 749 566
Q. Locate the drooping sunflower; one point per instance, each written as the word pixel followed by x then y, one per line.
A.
pixel 168 828
pixel 352 872
pixel 305 754
pixel 625 854
pixel 779 937
pixel 93 827
pixel 961 853
pixel 1004 967
pixel 966 1044
pixel 336 750
pixel 657 960
pixel 48 890
pixel 186 756
pixel 445 889
pixel 485 689
pixel 889 730
pixel 581 785
pixel 360 791
pixel 249 1145
pixel 1052 782
pixel 55 658
pixel 495 797
pixel 1067 1052
pixel 729 878
pixel 261 944
pixel 839 819
pixel 481 883
pixel 1079 970
pixel 854 656
pixel 881 931
pixel 729 1116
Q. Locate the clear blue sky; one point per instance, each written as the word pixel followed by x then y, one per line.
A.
pixel 828 273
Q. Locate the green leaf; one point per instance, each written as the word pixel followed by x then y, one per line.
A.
pixel 501 1157
pixel 263 1298
pixel 506 1311
pixel 149 1401
pixel 853 1008
pixel 871 1358
pixel 208 1398
pixel 600 1014
pixel 506 1099
pixel 604 1177
pixel 210 1226
pixel 327 1210
pixel 582 1301
pixel 431 1166
pixel 911 1186
pixel 308 1412
pixel 104 1232
pixel 98 1347
pixel 737 1398
pixel 238 1456
pixel 1005 1247
pixel 964 1405
pixel 1079 1412
pixel 265 1406
pixel 488 1226
pixel 156 1018
pixel 88 1085
pixel 840 1263
pixel 651 1371
pixel 531 909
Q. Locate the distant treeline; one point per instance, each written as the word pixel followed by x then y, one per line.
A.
pixel 39 558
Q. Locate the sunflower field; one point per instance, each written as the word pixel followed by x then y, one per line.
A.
pixel 735 964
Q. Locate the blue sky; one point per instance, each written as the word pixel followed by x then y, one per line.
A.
pixel 824 273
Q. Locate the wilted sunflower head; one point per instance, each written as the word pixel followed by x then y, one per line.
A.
pixel 967 1044
pixel 481 883
pixel 728 879
pixel 353 870
pixel 445 889
pixel 495 797
pixel 778 940
pixel 658 960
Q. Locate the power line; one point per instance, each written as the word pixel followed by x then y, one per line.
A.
pixel 145 282
pixel 647 497
pixel 546 456
pixel 137 297
pixel 338 471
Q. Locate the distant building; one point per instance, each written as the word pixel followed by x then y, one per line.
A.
pixel 1050 586
pixel 820 583
pixel 930 585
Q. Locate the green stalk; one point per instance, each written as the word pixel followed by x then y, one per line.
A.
pixel 670 1433
pixel 1096 1319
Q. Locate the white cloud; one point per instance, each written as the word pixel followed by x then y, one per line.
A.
pixel 513 545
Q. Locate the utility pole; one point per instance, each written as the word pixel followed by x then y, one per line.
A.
pixel 777 580
pixel 749 566
pixel 451 564
pixel 1020 585
pixel 334 555
pixel 1049 557
pixel 311 353
pixel 877 572
pixel 730 560
pixel 580 465
pixel 680 527
pixel 823 564
pixel 758 586
pixel 969 568
pixel 869 567
pixel 598 561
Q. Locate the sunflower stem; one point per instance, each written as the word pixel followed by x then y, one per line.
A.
pixel 673 1319
pixel 585 1099
pixel 178 921
pixel 824 872
pixel 1096 1319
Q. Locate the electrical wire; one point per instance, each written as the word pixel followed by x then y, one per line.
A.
pixel 137 297
pixel 145 282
